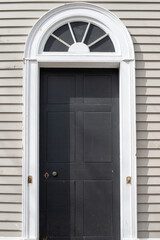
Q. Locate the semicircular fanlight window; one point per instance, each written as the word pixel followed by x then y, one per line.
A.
pixel 79 37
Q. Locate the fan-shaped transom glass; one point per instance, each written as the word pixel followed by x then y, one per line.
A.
pixel 79 37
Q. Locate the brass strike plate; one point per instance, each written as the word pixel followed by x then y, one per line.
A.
pixel 128 180
pixel 29 179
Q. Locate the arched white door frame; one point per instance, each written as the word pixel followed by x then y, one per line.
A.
pixel 123 59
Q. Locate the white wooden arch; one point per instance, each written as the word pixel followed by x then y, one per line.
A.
pixel 122 58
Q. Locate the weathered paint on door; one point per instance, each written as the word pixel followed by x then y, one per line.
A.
pixel 79 150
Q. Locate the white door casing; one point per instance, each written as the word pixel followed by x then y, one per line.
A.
pixel 123 58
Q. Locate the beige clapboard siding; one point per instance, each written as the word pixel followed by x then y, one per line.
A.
pixel 146 82
pixel 14 31
pixel 141 117
pixel 12 48
pixel 143 126
pixel 11 143
pixel 11 135
pixel 7 82
pixel 64 1
pixel 10 198
pixel 10 216
pixel 148 100
pixel 147 181
pixel 42 5
pixel 14 189
pixel 11 233
pixel 148 171
pixel 10 126
pixel 10 171
pixel 144 226
pixel 128 22
pixel 143 91
pixel 11 99
pixel 142 198
pixel 142 18
pixel 151 217
pixel 12 91
pixel 10 207
pixel 148 208
pixel 141 23
pixel 148 162
pixel 10 162
pixel 143 144
pixel 149 234
pixel 8 117
pixel 141 14
pixel 11 65
pixel 10 225
pixel 147 65
pixel 144 108
pixel 150 153
pixel 5 180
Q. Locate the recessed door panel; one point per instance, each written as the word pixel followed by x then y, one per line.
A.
pixel 97 137
pixel 97 218
pixel 61 137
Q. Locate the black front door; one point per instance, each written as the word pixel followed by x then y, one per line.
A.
pixel 79 154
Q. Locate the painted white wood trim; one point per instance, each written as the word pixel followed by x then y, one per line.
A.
pixel 122 59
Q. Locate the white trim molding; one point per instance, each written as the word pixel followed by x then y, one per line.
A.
pixel 123 58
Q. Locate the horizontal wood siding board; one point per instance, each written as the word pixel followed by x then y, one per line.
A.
pixel 145 198
pixel 10 226
pixel 90 1
pixel 11 162
pixel 11 99
pixel 148 100
pixel 111 5
pixel 148 171
pixel 148 208
pixel 148 181
pixel 10 198
pixel 11 207
pixel 148 162
pixel 11 47
pixel 11 233
pixel 10 171
pixel 148 217
pixel 10 117
pixel 144 144
pixel 146 82
pixel 15 180
pixel 10 143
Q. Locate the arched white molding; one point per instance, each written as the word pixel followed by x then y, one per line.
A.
pixel 123 58
pixel 77 11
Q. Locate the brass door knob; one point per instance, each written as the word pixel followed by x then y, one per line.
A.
pixel 54 174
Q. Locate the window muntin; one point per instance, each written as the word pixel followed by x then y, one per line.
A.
pixel 80 37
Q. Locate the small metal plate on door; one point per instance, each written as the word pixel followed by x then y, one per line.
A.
pixel 46 175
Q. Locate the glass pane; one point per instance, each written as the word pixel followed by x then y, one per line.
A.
pixel 53 45
pixel 104 45
pixel 79 30
pixel 94 33
pixel 64 33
